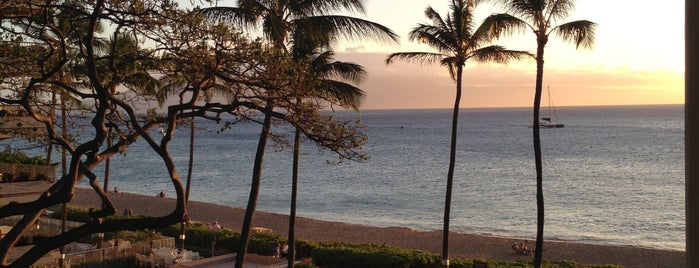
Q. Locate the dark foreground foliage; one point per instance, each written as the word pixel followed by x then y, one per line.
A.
pixel 210 242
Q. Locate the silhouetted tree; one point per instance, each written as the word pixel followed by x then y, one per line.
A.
pixel 457 40
pixel 541 17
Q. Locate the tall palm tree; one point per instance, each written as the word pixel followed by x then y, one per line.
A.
pixel 540 16
pixel 456 40
pixel 293 26
pixel 334 86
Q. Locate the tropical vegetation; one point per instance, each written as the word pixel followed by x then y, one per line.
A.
pixel 328 254
pixel 145 39
pixel 106 63
pixel 300 29
pixel 457 39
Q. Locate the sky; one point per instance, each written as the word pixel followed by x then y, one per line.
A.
pixel 638 58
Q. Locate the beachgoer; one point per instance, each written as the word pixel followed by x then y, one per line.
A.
pixel 126 212
pixel 275 250
pixel 130 212
pixel 161 194
pixel 216 226
pixel 116 190
pixel 285 249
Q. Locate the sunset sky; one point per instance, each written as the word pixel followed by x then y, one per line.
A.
pixel 638 58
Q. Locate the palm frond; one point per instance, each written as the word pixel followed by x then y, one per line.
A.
pixel 171 85
pixel 232 16
pixel 499 54
pixel 275 30
pixel 305 8
pixel 142 82
pixel 219 89
pixel 527 10
pixel 436 19
pixel 452 64
pixel 344 94
pixel 461 19
pixel 415 57
pixel 498 25
pixel 559 9
pixel 438 38
pixel 324 30
pixel 347 71
pixel 320 59
pixel 581 32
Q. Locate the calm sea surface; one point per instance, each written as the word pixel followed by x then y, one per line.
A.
pixel 613 175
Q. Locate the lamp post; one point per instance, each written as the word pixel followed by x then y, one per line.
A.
pixel 100 240
pixel 182 238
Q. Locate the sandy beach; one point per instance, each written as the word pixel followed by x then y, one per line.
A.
pixel 461 245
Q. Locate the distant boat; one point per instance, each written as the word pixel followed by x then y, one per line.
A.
pixel 550 121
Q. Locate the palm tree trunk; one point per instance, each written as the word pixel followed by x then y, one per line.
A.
pixel 541 43
pixel 189 181
pixel 64 169
pixel 291 254
pixel 450 174
pixel 52 111
pixel 254 188
pixel 107 163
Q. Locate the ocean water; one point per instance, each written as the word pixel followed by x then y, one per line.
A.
pixel 613 175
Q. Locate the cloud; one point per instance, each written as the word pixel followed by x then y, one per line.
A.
pixel 357 49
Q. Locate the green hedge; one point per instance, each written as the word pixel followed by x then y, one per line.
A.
pixel 379 256
pixel 19 157
pixel 341 255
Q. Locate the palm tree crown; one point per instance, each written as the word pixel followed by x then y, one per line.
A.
pixel 541 16
pixel 457 39
pixel 303 24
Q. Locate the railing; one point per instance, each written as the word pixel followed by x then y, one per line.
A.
pixel 90 258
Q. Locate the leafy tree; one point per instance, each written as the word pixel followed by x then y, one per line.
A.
pixel 146 37
pixel 457 40
pixel 541 17
pixel 297 28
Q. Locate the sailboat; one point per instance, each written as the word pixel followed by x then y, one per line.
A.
pixel 551 121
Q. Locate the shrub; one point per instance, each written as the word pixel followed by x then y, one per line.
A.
pixel 19 157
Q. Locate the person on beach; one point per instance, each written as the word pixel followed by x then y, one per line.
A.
pixel 284 250
pixel 116 190
pixel 215 225
pixel 275 250
pixel 522 249
pixel 161 194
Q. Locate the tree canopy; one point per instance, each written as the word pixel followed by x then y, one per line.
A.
pixel 114 58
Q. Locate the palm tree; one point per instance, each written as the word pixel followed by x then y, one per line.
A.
pixel 293 27
pixel 456 40
pixel 539 16
pixel 335 91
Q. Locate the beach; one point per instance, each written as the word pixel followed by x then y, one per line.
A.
pixel 461 244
